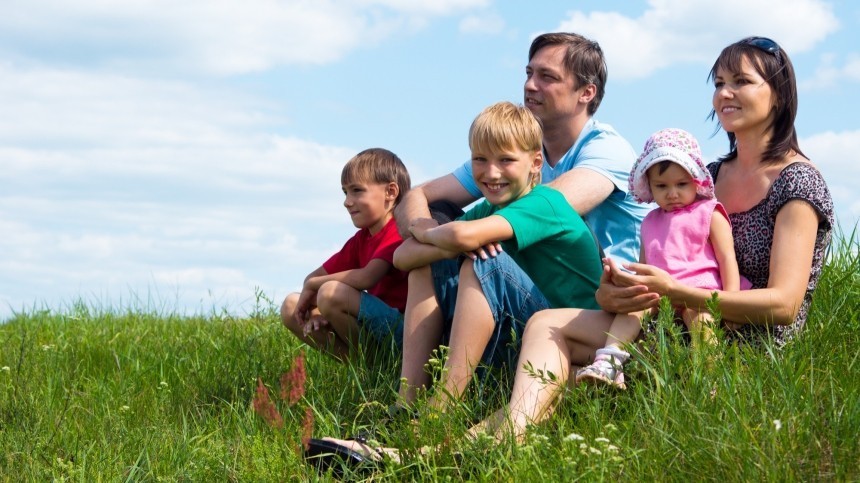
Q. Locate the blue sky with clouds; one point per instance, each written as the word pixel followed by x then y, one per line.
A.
pixel 185 156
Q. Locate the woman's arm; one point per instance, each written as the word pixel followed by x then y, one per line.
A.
pixel 790 264
pixel 724 250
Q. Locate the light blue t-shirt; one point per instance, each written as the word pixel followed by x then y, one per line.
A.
pixel 616 221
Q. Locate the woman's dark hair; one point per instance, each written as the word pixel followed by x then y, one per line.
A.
pixel 772 63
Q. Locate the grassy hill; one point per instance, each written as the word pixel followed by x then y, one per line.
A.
pixel 95 394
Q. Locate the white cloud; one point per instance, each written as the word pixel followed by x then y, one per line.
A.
pixel 488 23
pixel 221 36
pixel 679 31
pixel 828 74
pixel 837 155
pixel 113 183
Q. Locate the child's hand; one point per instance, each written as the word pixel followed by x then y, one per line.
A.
pixel 611 269
pixel 304 306
pixel 315 322
pixel 490 250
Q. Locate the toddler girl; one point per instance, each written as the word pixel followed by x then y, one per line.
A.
pixel 688 236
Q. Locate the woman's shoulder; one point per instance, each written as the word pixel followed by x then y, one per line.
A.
pixel 801 179
pixel 800 176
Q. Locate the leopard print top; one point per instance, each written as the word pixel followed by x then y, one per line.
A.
pixel 752 231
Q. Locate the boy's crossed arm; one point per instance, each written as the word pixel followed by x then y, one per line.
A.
pixel 431 242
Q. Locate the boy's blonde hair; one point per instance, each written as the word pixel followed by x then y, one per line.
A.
pixel 377 165
pixel 505 126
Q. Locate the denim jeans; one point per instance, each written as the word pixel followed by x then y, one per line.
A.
pixel 512 296
pixel 382 322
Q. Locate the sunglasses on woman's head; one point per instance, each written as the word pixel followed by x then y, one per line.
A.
pixel 765 44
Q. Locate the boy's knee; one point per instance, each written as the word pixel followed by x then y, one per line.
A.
pixel 288 310
pixel 332 295
pixel 467 269
pixel 420 275
pixel 539 321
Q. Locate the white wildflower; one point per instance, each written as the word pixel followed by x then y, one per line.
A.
pixel 540 438
pixel 594 450
pixel 5 369
pixel 123 409
pixel 601 440
pixel 777 424
pixel 573 437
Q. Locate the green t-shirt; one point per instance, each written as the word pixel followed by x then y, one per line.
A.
pixel 552 245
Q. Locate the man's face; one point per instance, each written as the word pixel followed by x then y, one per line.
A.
pixel 550 90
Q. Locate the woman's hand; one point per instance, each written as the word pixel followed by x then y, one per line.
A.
pixel 655 279
pixel 621 295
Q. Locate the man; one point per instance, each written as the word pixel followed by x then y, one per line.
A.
pixel 588 162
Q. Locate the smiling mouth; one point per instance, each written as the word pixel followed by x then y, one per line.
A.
pixel 495 186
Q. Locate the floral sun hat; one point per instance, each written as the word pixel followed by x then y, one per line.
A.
pixel 674 145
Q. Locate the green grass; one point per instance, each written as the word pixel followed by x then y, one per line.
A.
pixel 95 394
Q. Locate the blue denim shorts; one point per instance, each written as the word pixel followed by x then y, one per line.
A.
pixel 511 294
pixel 382 322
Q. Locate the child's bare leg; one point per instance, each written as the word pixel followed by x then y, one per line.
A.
pixel 701 327
pixel 339 304
pixel 554 340
pixel 422 332
pixel 625 329
pixel 471 331
pixel 323 340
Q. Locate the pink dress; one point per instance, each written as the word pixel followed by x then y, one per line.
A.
pixel 677 241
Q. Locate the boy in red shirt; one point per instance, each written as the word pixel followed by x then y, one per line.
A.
pixel 357 289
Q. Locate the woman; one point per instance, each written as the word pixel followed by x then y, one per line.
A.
pixel 778 203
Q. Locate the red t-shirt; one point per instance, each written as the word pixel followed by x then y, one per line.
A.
pixel 359 250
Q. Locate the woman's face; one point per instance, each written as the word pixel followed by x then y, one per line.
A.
pixel 743 101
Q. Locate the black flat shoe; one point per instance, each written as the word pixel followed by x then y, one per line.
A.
pixel 324 455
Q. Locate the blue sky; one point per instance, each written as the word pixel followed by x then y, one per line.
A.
pixel 182 157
